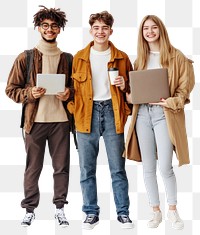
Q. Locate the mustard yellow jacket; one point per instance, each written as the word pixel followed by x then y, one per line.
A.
pixel 181 84
pixel 82 105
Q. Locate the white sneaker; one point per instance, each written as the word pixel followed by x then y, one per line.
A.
pixel 28 219
pixel 156 219
pixel 175 219
pixel 60 216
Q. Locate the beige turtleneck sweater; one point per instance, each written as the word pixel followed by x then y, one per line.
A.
pixel 50 108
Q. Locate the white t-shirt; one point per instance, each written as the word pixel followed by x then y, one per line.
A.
pixel 99 68
pixel 154 60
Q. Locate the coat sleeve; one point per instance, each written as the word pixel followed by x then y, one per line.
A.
pixel 70 104
pixel 70 81
pixel 16 88
pixel 185 84
pixel 129 68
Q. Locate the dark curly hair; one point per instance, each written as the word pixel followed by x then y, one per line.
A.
pixel 52 14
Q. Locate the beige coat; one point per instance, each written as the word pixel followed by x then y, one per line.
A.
pixel 181 84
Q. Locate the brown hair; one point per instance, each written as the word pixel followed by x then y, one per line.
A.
pixel 143 47
pixel 52 14
pixel 104 16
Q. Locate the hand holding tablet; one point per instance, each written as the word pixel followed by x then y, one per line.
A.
pixel 52 83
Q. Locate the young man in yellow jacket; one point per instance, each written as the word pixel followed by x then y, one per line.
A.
pixel 100 109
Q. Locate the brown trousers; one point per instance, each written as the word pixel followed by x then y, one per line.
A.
pixel 58 137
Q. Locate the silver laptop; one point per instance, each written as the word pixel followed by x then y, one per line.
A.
pixel 53 83
pixel 149 86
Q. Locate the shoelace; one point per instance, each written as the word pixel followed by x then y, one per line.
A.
pixel 61 216
pixel 176 217
pixel 125 218
pixel 89 218
pixel 28 217
pixel 154 217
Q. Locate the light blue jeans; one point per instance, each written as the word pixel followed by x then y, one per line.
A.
pixel 154 142
pixel 103 124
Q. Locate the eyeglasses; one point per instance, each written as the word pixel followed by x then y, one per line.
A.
pixel 53 26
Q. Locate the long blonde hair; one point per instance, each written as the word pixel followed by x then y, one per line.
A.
pixel 143 47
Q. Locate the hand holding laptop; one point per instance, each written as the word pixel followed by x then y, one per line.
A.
pixel 129 98
pixel 161 103
pixel 149 86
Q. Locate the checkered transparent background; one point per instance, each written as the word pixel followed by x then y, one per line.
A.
pixel 182 19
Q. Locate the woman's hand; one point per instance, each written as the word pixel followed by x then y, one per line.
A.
pixel 161 103
pixel 128 98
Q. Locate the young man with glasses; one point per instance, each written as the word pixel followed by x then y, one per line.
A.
pixel 100 109
pixel 46 116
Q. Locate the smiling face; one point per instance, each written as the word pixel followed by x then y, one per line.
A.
pixel 100 33
pixel 151 32
pixel 49 30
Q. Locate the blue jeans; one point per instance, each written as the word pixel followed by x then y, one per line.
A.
pixel 154 141
pixel 103 124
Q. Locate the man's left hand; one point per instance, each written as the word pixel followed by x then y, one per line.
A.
pixel 119 82
pixel 63 96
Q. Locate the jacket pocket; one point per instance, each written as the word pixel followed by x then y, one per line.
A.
pixel 80 77
pixel 81 85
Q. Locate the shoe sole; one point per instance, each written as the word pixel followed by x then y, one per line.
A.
pixel 176 228
pixel 25 225
pixel 127 226
pixel 180 228
pixel 155 226
pixel 149 226
pixel 64 225
pixel 88 226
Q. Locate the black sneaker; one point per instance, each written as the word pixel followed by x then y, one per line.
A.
pixel 60 216
pixel 90 222
pixel 125 221
pixel 28 219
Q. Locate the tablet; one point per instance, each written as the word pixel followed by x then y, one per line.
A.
pixel 53 83
pixel 149 86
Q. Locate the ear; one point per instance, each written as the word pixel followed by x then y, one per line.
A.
pixel 111 31
pixel 39 29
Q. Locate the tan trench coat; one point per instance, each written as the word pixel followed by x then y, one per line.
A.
pixel 181 84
